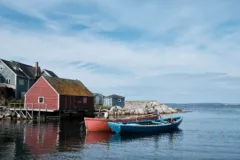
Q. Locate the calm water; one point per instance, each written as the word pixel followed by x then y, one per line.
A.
pixel 209 132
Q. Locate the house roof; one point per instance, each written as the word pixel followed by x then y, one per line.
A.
pixel 24 69
pixel 98 94
pixel 115 96
pixel 50 73
pixel 68 86
pixel 10 65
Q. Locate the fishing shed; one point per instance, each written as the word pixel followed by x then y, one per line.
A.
pixel 58 94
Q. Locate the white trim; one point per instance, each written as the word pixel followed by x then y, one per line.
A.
pixel 24 73
pixel 50 85
pixel 47 73
pixel 30 109
pixel 54 90
pixel 42 98
pixel 36 83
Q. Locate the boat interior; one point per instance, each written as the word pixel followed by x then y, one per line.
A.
pixel 154 122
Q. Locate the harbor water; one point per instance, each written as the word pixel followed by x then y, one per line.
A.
pixel 210 131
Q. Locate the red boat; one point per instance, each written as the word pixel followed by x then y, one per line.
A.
pixel 100 124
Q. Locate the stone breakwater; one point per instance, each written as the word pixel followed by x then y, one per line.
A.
pixel 141 108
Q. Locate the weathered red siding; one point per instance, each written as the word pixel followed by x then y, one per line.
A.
pixel 41 140
pixel 71 102
pixel 42 89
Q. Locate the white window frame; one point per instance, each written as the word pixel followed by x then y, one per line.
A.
pixel 119 100
pixel 21 82
pixel 39 99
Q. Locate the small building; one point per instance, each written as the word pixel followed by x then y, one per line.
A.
pixel 98 99
pixel 54 94
pixel 114 100
pixel 18 76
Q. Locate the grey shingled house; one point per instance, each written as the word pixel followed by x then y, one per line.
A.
pixel 114 100
pixel 19 77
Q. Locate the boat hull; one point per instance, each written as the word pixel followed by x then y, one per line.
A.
pixel 101 124
pixel 138 128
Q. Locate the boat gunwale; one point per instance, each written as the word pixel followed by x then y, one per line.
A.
pixel 120 119
pixel 168 124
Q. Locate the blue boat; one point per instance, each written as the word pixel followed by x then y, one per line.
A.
pixel 150 126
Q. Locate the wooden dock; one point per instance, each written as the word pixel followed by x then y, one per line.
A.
pixel 43 113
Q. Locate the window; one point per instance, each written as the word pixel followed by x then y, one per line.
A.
pixel 85 100
pixel 1 67
pixel 8 81
pixel 40 99
pixel 22 94
pixel 119 100
pixel 21 82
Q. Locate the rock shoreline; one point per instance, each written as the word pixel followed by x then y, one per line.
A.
pixel 5 113
pixel 141 108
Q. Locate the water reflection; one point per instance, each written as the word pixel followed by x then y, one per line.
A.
pixel 71 136
pixel 12 140
pixel 41 138
pixel 35 140
pixel 97 137
pixel 171 136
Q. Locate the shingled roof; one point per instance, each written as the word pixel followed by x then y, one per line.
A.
pixel 24 69
pixel 68 86
pixel 115 96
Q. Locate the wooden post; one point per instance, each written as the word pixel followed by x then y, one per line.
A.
pixel 99 110
pixel 46 112
pixel 39 111
pixel 25 110
pixel 14 107
pixel 32 110
pixel 20 112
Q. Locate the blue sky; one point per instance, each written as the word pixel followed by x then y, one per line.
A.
pixel 170 51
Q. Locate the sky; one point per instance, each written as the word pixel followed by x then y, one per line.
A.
pixel 170 51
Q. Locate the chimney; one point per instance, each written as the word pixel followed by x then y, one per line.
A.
pixel 36 70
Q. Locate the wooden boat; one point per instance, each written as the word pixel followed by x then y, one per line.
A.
pixel 101 124
pixel 153 126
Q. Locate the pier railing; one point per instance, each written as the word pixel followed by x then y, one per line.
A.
pixel 15 105
pixel 26 110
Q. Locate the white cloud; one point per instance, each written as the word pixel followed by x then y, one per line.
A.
pixel 54 47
